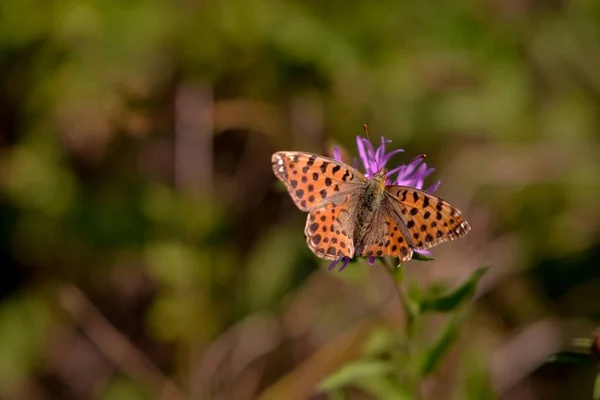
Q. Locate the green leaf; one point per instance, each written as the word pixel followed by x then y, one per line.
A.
pixel 338 394
pixel 380 342
pixel 421 257
pixel 456 298
pixel 572 357
pixel 385 388
pixel 436 353
pixel 353 372
pixel 474 381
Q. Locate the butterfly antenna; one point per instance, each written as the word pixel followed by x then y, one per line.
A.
pixel 419 157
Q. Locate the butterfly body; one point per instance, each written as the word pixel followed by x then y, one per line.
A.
pixel 351 215
pixel 374 192
pixel 369 203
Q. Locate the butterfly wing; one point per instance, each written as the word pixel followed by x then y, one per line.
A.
pixel 428 219
pixel 411 219
pixel 386 235
pixel 314 181
pixel 330 230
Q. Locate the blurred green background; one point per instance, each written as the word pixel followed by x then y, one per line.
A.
pixel 147 252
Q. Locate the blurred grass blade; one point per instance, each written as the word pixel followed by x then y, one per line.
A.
pixel 596 395
pixel 572 357
pixel 436 353
pixel 456 298
pixel 300 383
pixel 582 342
pixel 355 371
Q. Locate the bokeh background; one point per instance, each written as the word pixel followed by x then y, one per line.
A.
pixel 147 251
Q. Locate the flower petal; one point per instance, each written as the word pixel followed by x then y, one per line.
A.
pixel 345 264
pixel 333 264
pixel 389 155
pixel 337 154
pixel 418 177
pixel 362 152
pixel 434 187
pixel 360 145
pixel 379 153
pixel 424 252
pixel 399 170
pixel 412 166
pixel 371 160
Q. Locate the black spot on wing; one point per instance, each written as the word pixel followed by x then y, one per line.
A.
pixel 347 176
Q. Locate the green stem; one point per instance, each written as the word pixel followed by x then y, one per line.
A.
pixel 411 310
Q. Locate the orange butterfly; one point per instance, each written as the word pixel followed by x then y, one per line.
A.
pixel 351 215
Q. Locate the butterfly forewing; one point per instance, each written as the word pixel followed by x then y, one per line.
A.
pixel 429 220
pixel 314 181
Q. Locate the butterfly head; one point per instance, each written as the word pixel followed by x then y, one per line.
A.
pixel 382 171
pixel 379 180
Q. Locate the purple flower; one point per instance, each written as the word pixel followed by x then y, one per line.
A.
pixel 412 174
pixel 373 159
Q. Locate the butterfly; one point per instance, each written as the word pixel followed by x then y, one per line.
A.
pixel 351 215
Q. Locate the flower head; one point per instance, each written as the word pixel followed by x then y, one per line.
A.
pixel 373 159
pixel 412 174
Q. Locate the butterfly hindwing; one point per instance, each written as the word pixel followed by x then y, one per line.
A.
pixel 313 181
pixel 386 236
pixel 428 219
pixel 329 231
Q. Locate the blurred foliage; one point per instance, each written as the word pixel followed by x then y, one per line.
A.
pixel 453 300
pixel 194 262
pixel 386 357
